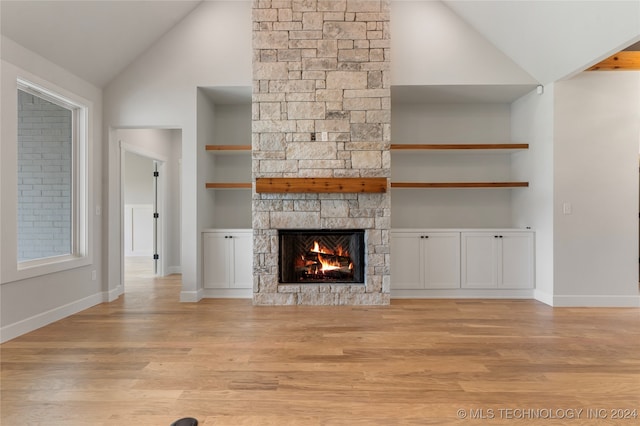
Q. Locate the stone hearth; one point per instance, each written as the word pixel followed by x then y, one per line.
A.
pixel 321 108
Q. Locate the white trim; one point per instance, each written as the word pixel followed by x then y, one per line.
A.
pixel 35 322
pixel 593 301
pixel 114 293
pixel 543 297
pixel 227 293
pixel 190 296
pixel 465 293
pixel 174 270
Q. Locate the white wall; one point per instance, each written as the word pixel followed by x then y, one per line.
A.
pixel 532 123
pixel 432 45
pixel 37 300
pixel 211 47
pixel 597 123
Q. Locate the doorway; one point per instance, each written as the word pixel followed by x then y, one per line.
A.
pixel 149 203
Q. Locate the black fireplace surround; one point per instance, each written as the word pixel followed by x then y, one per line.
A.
pixel 321 256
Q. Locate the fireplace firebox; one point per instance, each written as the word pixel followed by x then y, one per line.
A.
pixel 321 256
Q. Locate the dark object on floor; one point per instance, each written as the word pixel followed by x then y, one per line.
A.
pixel 187 421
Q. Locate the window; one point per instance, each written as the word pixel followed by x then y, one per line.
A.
pixel 52 202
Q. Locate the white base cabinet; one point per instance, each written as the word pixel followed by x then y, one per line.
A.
pixel 425 260
pixel 227 259
pixel 497 259
pixel 462 263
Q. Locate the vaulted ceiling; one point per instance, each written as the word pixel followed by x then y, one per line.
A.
pixel 97 39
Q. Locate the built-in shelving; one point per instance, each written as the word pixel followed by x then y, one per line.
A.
pixel 459 147
pixel 228 185
pixel 228 149
pixel 476 147
pixel 459 184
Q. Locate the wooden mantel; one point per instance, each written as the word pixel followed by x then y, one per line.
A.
pixel 320 185
pixel 625 60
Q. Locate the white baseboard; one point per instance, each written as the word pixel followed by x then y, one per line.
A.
pixel 460 293
pixel 604 301
pixel 543 297
pixel 190 296
pixel 35 322
pixel 228 293
pixel 174 270
pixel 113 294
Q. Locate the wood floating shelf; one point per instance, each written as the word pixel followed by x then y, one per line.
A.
pixel 622 61
pixel 459 184
pixel 228 148
pixel 435 147
pixel 321 185
pixel 228 185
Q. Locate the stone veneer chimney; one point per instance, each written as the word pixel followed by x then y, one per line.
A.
pixel 321 108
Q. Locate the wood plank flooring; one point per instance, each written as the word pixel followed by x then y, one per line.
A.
pixel 146 359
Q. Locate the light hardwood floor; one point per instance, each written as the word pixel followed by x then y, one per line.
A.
pixel 146 359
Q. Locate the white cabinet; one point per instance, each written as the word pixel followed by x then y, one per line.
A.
pixel 228 259
pixel 425 260
pixel 497 260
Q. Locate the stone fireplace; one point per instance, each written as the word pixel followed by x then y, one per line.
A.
pixel 320 142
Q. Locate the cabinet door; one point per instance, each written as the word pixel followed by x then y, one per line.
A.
pixel 216 260
pixel 242 261
pixel 441 260
pixel 479 260
pixel 406 261
pixel 516 264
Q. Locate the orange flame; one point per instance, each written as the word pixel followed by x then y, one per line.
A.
pixel 329 264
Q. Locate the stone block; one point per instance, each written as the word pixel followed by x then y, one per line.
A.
pixel 270 71
pixel 366 131
pixel 289 55
pixel 264 15
pixel 304 5
pixel 295 220
pixel 306 205
pixel 379 116
pixel 270 111
pixel 367 93
pixel 346 80
pixel 366 159
pixel 334 208
pixel 276 126
pixel 305 110
pixel 278 166
pixel 364 6
pixel 320 164
pixel 358 117
pixel 305 126
pixel 311 151
pixel 353 55
pixel 344 30
pixel 271 39
pixel 306 35
pixel 317 298
pixel 277 299
pixel 332 126
pixel 319 64
pixel 361 104
pixel 312 20
pixel 332 5
pixel 285 14
pixel 268 55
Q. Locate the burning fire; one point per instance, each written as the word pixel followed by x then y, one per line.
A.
pixel 332 261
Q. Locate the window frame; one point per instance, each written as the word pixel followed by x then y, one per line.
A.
pixel 80 253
